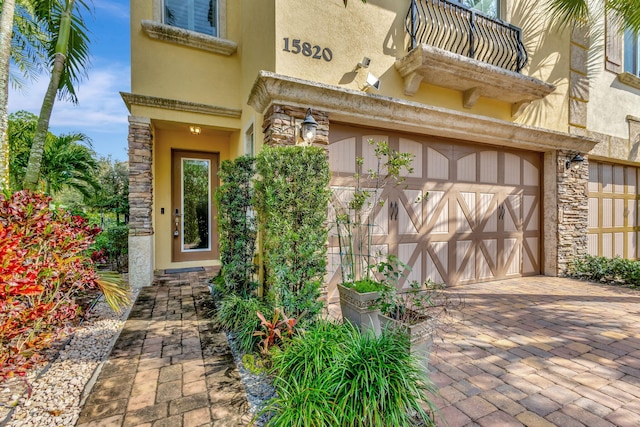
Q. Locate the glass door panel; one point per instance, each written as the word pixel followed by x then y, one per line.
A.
pixel 194 181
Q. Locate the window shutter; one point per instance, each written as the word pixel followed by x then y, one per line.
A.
pixel 613 45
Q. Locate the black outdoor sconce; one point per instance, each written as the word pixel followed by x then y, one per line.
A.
pixel 575 161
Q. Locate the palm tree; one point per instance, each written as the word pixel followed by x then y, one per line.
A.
pixel 22 41
pixel 67 161
pixel 68 52
pixel 6 29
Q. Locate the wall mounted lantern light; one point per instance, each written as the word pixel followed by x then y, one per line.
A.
pixel 308 128
pixel 574 161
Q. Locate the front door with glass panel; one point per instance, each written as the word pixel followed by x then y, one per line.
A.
pixel 195 178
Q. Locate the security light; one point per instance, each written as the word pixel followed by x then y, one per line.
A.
pixel 364 63
pixel 372 81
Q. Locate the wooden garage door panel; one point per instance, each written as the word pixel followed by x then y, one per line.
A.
pixel 481 225
pixel 613 213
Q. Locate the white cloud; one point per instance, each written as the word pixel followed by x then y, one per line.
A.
pixel 99 107
pixel 100 113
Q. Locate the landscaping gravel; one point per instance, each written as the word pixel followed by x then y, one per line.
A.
pixel 57 389
pixel 259 388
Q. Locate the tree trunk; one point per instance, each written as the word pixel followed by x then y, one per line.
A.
pixel 32 174
pixel 6 30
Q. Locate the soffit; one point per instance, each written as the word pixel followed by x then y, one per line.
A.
pixel 366 109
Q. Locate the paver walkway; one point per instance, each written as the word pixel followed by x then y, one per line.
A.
pixel 534 351
pixel 541 351
pixel 168 367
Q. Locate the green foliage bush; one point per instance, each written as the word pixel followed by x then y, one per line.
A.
pixel 112 247
pixel 291 199
pixel 238 314
pixel 617 270
pixel 237 225
pixel 334 375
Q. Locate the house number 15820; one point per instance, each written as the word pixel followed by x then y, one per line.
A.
pixel 314 51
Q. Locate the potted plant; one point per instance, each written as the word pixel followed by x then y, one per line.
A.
pixel 418 311
pixel 358 303
pixel 355 208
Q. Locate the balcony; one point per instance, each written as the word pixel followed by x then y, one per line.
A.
pixel 457 29
pixel 458 48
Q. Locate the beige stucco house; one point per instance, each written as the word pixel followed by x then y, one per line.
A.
pixel 497 106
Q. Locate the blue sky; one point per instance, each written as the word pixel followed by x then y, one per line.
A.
pixel 100 112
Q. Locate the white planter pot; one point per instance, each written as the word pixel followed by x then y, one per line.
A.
pixel 420 336
pixel 359 309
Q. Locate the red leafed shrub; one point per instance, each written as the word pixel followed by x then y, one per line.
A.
pixel 44 266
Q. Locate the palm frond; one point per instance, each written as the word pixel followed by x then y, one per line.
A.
pixel 565 13
pixel 627 13
pixel 115 292
pixel 50 12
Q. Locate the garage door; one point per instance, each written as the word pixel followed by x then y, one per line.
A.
pixel 613 213
pixel 481 218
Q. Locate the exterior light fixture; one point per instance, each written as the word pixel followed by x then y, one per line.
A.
pixel 364 64
pixel 575 161
pixel 195 130
pixel 308 128
pixel 372 82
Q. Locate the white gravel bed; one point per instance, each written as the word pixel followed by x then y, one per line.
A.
pixel 58 390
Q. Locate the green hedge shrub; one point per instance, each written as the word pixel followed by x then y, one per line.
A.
pixel 292 197
pixel 617 270
pixel 112 244
pixel 237 225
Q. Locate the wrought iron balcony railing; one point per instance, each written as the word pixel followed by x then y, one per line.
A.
pixel 455 28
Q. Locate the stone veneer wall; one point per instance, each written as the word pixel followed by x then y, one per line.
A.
pixel 140 176
pixel 141 260
pixel 281 123
pixel 573 211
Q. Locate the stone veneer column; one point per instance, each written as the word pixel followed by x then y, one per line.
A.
pixel 281 123
pixel 573 211
pixel 141 257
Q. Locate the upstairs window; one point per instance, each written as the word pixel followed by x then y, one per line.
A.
pixel 631 53
pixel 490 8
pixel 200 16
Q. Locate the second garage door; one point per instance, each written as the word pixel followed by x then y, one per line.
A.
pixel 613 213
pixel 479 222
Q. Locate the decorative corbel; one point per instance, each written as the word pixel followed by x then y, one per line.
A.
pixel 412 83
pixel 470 97
pixel 518 108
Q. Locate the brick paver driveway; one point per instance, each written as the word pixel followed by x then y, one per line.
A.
pixel 541 351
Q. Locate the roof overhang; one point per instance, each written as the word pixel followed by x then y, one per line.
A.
pixel 366 109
